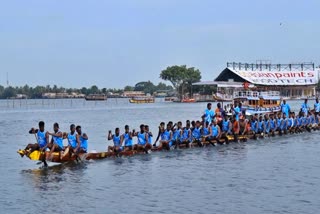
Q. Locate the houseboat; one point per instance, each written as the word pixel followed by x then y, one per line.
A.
pixel 96 97
pixel 142 99
pixel 258 101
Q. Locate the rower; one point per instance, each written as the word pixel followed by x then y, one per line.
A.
pixel 176 134
pixel 273 125
pixel 56 144
pixel 226 129
pixel 42 138
pixel 127 139
pixel 284 125
pixel 166 138
pixel 235 128
pixel 279 123
pixel 150 135
pixel 73 145
pixel 290 123
pixel 243 126
pixel 317 107
pixel 208 113
pixel 116 138
pixel 214 133
pixel 261 126
pixel 83 139
pixel 205 131
pixel 254 126
pixel 266 124
pixel 185 134
pixel 143 143
pixel 161 130
pixel 196 134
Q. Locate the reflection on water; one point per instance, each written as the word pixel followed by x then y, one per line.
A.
pixel 53 177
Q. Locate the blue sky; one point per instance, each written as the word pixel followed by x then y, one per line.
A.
pixel 112 44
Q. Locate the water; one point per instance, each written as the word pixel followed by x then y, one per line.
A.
pixel 277 175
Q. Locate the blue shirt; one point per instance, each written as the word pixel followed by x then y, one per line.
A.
pixel 305 108
pixel 42 140
pixel 317 107
pixel 237 111
pixel 209 115
pixel 127 139
pixel 72 140
pixel 285 109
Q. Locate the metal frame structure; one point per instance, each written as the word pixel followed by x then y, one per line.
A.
pixel 263 65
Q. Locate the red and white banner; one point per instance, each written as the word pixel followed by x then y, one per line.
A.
pixel 279 77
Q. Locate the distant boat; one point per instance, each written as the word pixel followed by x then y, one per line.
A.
pixel 142 99
pixel 96 97
pixel 188 100
pixel 170 99
pixel 258 102
pixel 222 97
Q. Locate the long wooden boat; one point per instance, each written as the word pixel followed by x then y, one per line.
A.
pixel 60 158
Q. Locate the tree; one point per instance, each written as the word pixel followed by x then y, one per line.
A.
pixel 128 88
pixel 146 87
pixel 181 77
pixel 9 92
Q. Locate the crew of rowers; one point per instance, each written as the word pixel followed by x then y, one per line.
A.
pixel 214 126
pixel 217 125
pixel 77 140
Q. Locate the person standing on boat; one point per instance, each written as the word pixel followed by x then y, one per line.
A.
pixel 305 107
pixel 237 111
pixel 42 138
pixel 220 114
pixel 317 107
pixel 208 113
pixel 126 139
pixel 83 139
pixel 285 108
pixel 116 138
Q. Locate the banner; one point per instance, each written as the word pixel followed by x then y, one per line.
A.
pixel 279 77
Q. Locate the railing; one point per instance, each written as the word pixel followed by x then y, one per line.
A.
pixel 244 94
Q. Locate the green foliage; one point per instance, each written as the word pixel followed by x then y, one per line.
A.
pixel 38 91
pixel 181 77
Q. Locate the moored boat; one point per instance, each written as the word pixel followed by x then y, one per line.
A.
pixel 96 97
pixel 188 100
pixel 258 102
pixel 142 99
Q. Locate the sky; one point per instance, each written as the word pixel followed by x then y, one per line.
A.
pixel 112 44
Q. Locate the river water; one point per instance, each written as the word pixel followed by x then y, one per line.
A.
pixel 276 175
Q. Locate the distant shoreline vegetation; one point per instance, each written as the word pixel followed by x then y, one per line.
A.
pixel 180 76
pixel 42 92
